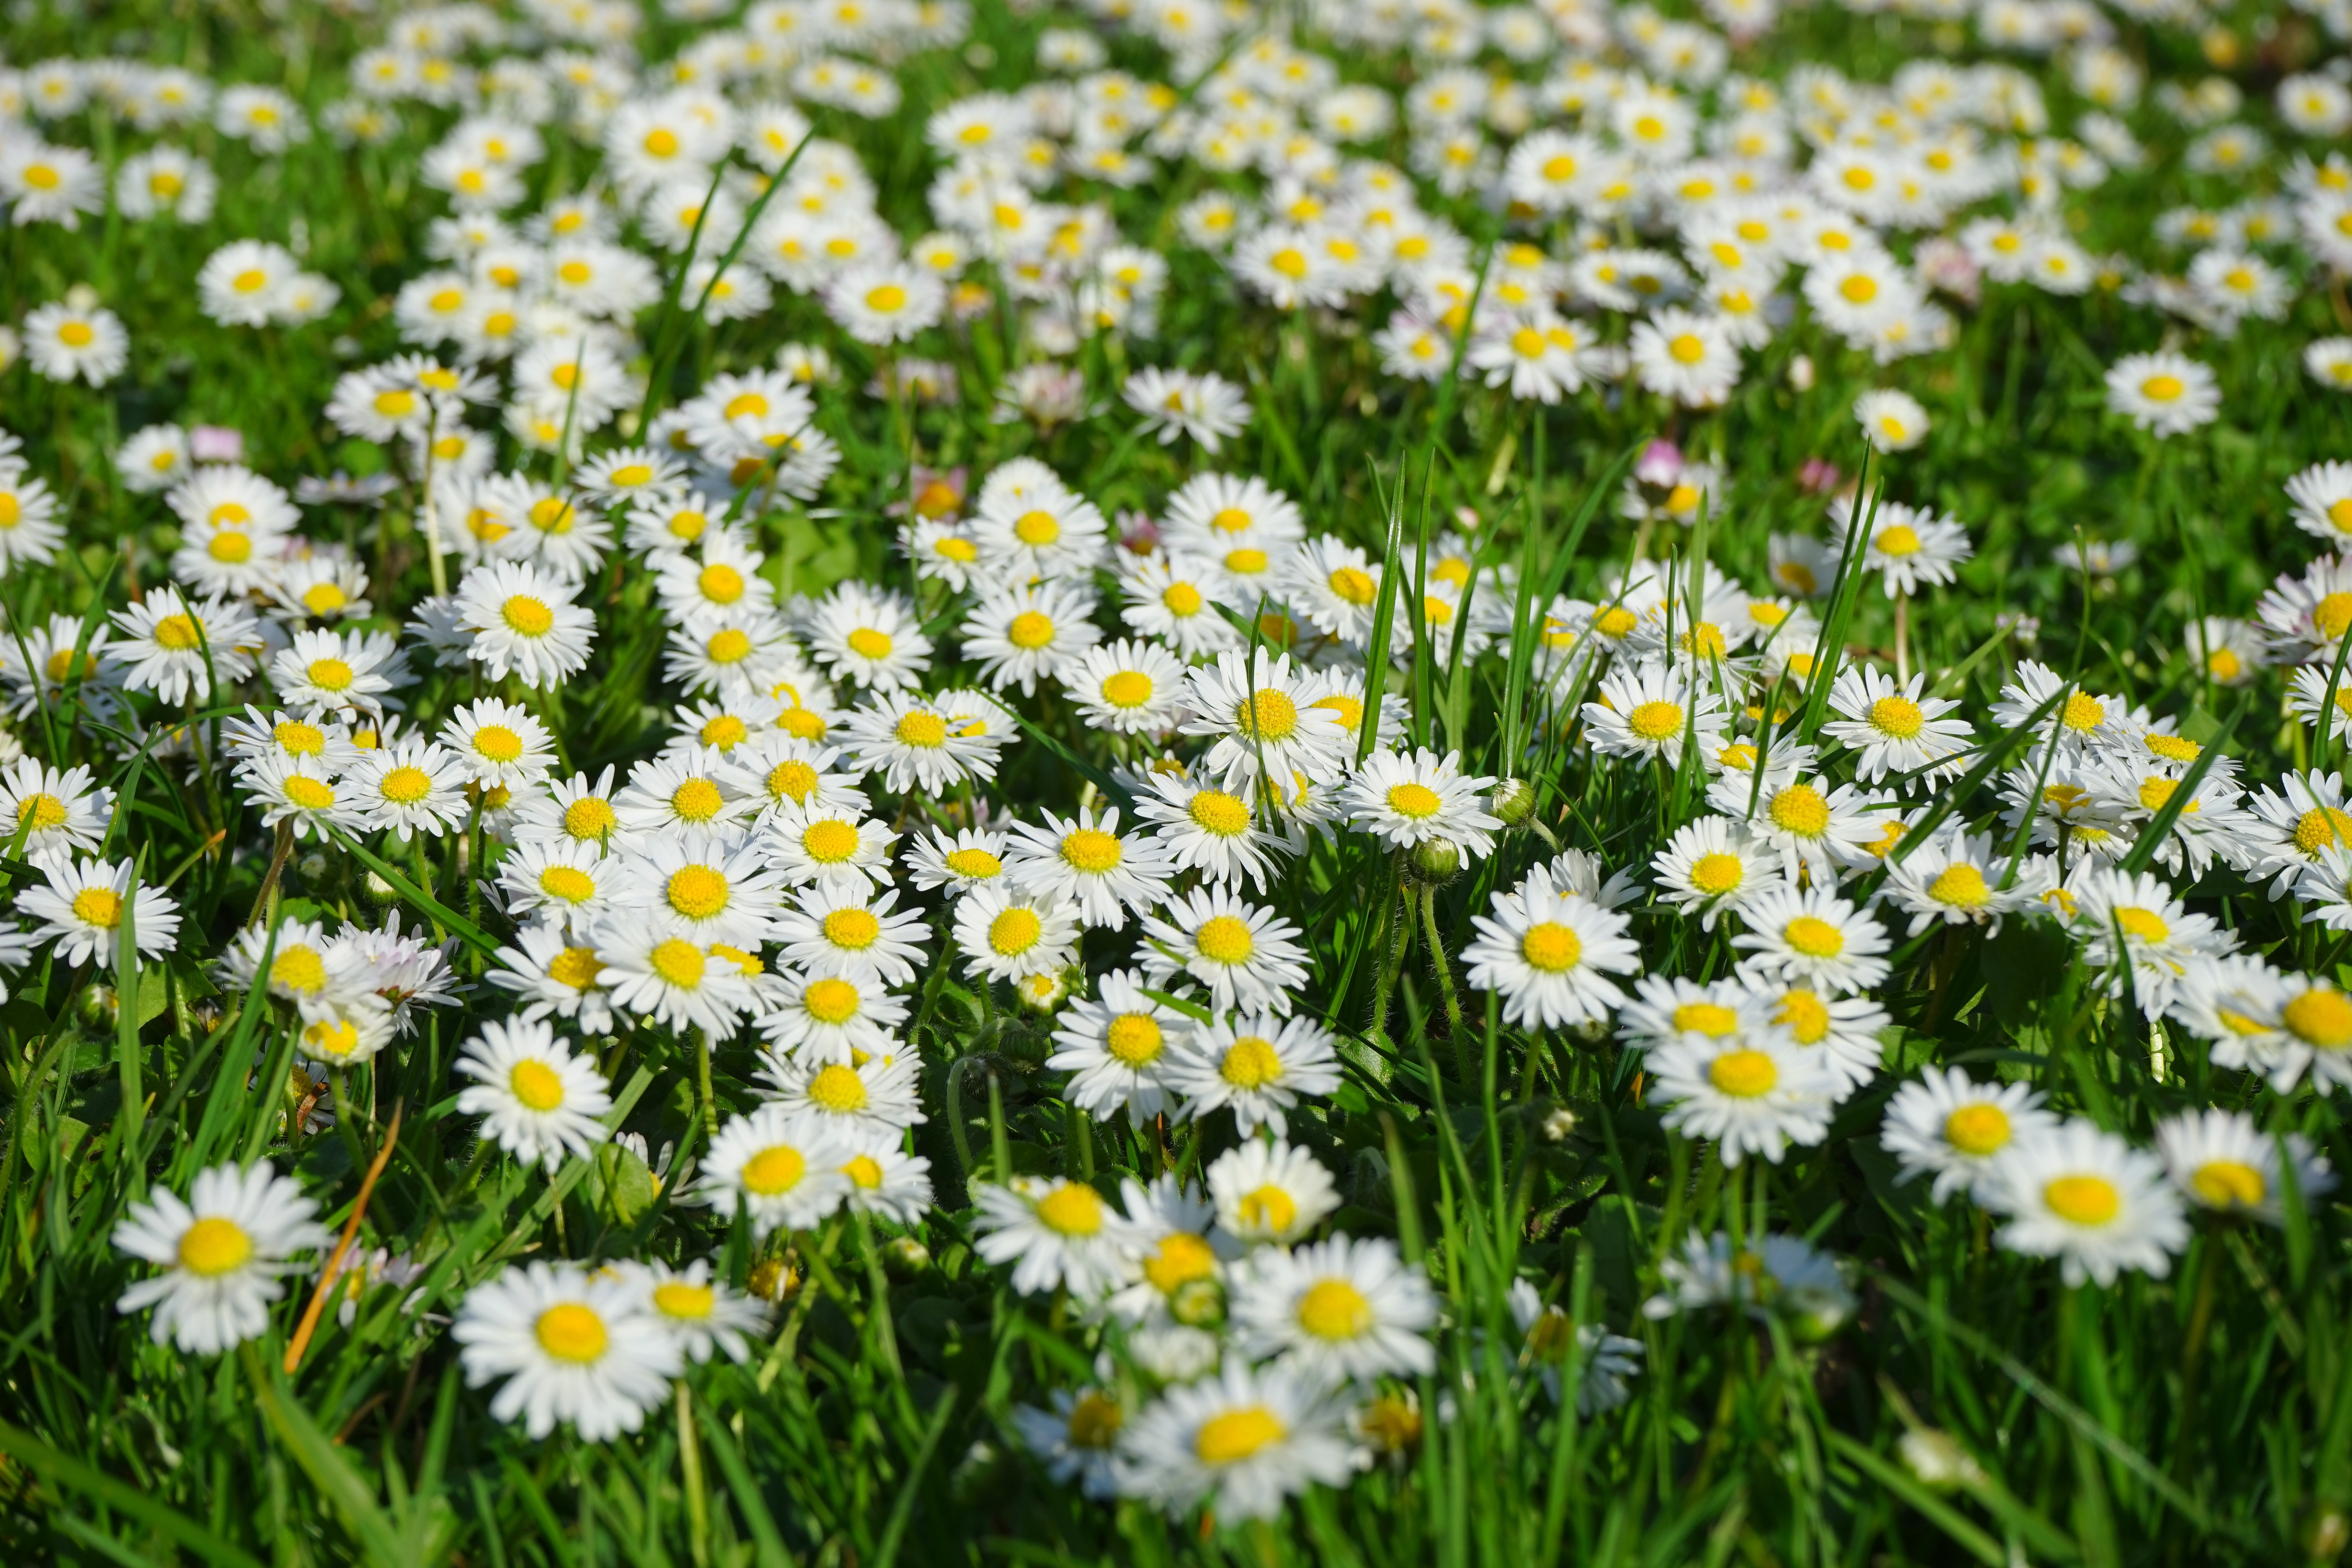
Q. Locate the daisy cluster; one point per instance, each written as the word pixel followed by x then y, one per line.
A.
pixel 1720 836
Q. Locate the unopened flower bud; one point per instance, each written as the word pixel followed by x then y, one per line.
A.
pixel 1435 861
pixel 1514 801
pixel 905 1257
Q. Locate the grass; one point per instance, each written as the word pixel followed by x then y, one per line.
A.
pixel 2204 1417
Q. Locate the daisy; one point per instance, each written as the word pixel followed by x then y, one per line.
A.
pixel 499 744
pixel 1340 1310
pixel 1245 955
pixel 1256 1064
pixel 67 343
pixel 293 791
pixel 2218 1160
pixel 1549 954
pixel 889 1185
pixel 1908 546
pixel 2164 394
pixel 1083 861
pixel 1953 878
pixel 1005 934
pixel 1609 1361
pixel 1715 867
pixel 1811 936
pixel 1021 636
pixel 670 979
pixel 723 584
pixel 320 671
pixel 222 1250
pixel 1030 527
pixel 774 769
pixel 523 618
pixel 705 1314
pixel 1263 720
pixel 1645 711
pixel 780 1169
pixel 1750 1092
pixel 2086 1198
pixel 963 860
pixel 1408 801
pixel 1269 1193
pixel 1775 1276
pixel 904 737
pixel 868 638
pixel 578 810
pixel 1241 1441
pixel 841 929
pixel 815 843
pixel 1897 729
pixel 1128 686
pixel 1685 356
pixel 179 650
pixel 1891 421
pixel 29 533
pixel 1208 829
pixel 58 814
pixel 2322 495
pixel 1078 1437
pixel 682 801
pixel 1946 1124
pixel 828 1018
pixel 1054 1233
pixel 1166 597
pixel 537 1100
pixel 578 1347
pixel 81 906
pixel 410 787
pixel 1818 829
pixel 1118 1048
pixel 866 1101
pixel 1201 404
pixel 1671 1010
pixel 565 884
pixel 2159 936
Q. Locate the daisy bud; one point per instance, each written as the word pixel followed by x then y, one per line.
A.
pixel 1559 1124
pixel 1198 1304
pixel 1434 861
pixel 379 891
pixel 311 867
pixel 905 1257
pixel 1514 801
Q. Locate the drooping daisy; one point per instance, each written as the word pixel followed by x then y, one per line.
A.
pixel 1241 1442
pixel 2086 1198
pixel 780 1168
pixel 1550 954
pixel 222 1249
pixel 536 1099
pixel 1257 1065
pixel 576 1347
pixel 1946 1124
pixel 1247 956
pixel 1052 1233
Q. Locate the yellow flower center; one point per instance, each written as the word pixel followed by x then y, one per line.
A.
pixel 100 907
pixel 1860 288
pixel 2082 1200
pixel 1267 1208
pixel 2320 827
pixel 329 674
pixel 299 968
pixel 1800 809
pixel 1807 1017
pixel 1743 1074
pixel 830 1000
pixel 697 893
pixel 2229 1183
pixel 1333 1310
pixel 1551 947
pixel 178 634
pixel 1899 539
pixel 681 1299
pixel 1897 716
pixel 41 810
pixel 887 298
pixel 697 800
pixel 1655 721
pixel 2162 388
pixel 777 1169
pixel 568 883
pixel 498 742
pixel 679 962
pixel 1225 939
pixel 588 818
pixel 831 841
pixel 1072 1208
pixel 1037 528
pixel 1091 850
pixel 1181 599
pixel 1414 800
pixel 310 794
pixel 1354 585
pixel 1976 1130
pixel 838 1089
pixel 1268 715
pixel 2320 1018
pixel 1813 937
pixel 228 547
pixel 1687 349
pixel 1250 1062
pixel 214 1247
pixel 977 864
pixel 1015 931
pixel 720 583
pixel 919 728
pixel 1134 1038
pixel 1127 689
pixel 1709 1018
pixel 1230 1439
pixel 1180 1259
pixel 536 1084
pixel 2146 925
pixel 1717 874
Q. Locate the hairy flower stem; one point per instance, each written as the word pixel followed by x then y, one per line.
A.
pixel 1443 965
pixel 702 1081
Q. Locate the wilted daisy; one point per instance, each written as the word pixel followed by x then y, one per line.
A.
pixel 223 1249
pixel 2086 1198
pixel 537 1100
pixel 576 1347
pixel 1240 1442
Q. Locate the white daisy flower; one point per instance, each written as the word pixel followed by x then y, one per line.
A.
pixel 1714 866
pixel 537 1100
pixel 831 1017
pixel 780 1168
pixel 917 746
pixel 2220 1160
pixel 867 1101
pixel 1751 1093
pixel 1269 1193
pixel 704 1313
pixel 1241 1441
pixel 1897 729
pixel 2164 394
pixel 82 905
pixel 1076 1438
pixel 574 1347
pixel 58 814
pixel 1247 956
pixel 1811 936
pixel 1946 1124
pixel 180 650
pixel 1341 1311
pixel 671 979
pixel 963 860
pixel 1119 1048
pixel 2089 1199
pixel 222 1249
pixel 1263 720
pixel 1006 934
pixel 409 787
pixel 1408 801
pixel 1208 829
pixel 888 1184
pixel 1953 878
pixel 1128 686
pixel 815 843
pixel 1025 635
pixel 499 744
pixel 1645 711
pixel 1085 862
pixel 523 618
pixel 1549 954
pixel 1256 1064
pixel 1891 420
pixel 841 929
pixel 1052 1233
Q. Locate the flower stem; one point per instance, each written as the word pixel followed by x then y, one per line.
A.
pixel 702 1080
pixel 1439 962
